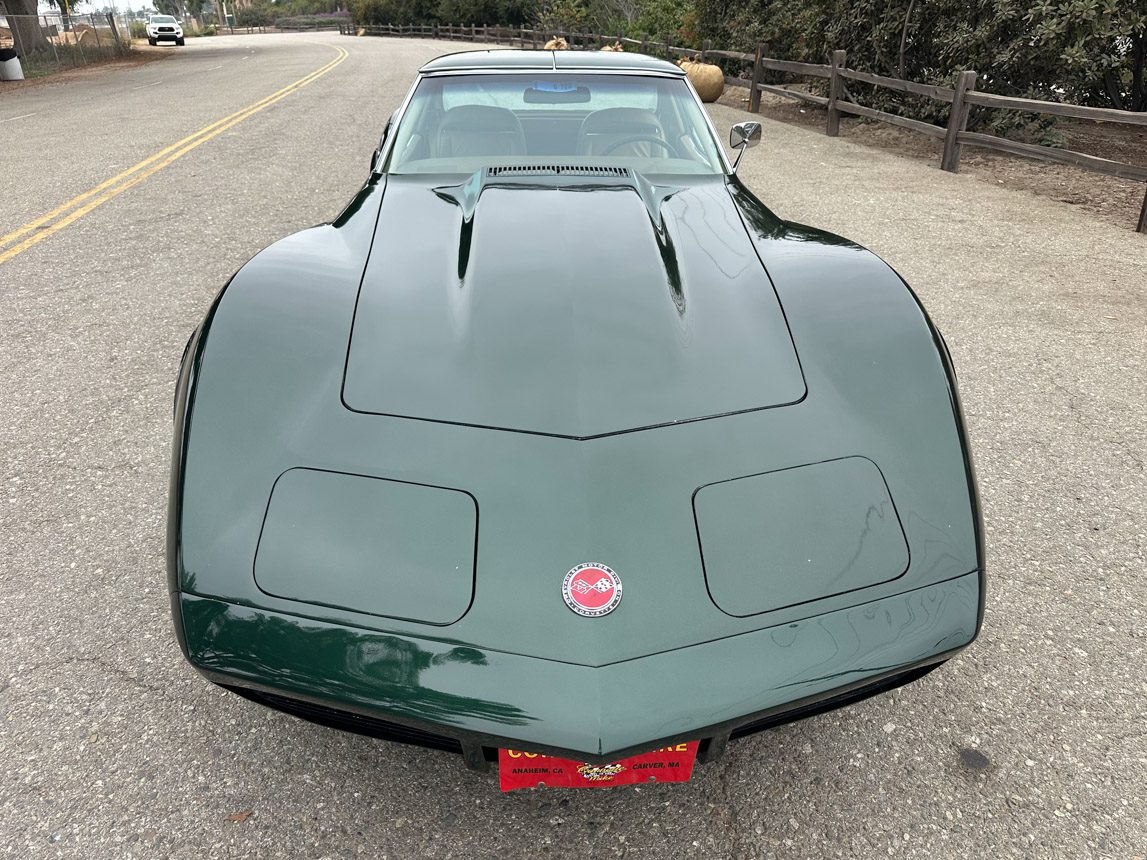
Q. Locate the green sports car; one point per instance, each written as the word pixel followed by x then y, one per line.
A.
pixel 558 445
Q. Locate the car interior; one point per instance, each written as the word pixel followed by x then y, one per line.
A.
pixel 438 136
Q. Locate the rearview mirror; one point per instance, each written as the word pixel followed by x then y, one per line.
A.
pixel 742 136
pixel 555 93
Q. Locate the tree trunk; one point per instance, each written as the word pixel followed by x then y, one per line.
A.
pixel 26 32
pixel 904 40
pixel 1111 84
pixel 1138 85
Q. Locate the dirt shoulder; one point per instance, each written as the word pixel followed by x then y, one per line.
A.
pixel 1116 201
pixel 140 55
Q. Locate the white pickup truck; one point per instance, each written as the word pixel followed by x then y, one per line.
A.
pixel 163 28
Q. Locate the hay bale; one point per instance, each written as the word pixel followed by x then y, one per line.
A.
pixel 616 46
pixel 361 31
pixel 707 79
pixel 557 43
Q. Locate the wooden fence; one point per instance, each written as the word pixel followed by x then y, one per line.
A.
pixel 838 101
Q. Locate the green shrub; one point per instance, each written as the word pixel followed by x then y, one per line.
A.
pixel 255 15
pixel 1083 51
pixel 138 30
pixel 306 22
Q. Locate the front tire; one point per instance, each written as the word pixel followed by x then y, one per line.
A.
pixel 151 41
pixel 179 41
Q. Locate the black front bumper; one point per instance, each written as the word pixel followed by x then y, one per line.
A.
pixel 478 750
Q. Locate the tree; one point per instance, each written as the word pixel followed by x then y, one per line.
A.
pixel 392 11
pixel 255 15
pixel 1084 51
pixel 1098 47
pixel 26 32
pixel 501 12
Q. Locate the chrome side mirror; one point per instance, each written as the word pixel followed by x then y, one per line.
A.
pixel 742 136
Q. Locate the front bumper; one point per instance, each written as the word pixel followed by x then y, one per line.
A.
pixel 448 695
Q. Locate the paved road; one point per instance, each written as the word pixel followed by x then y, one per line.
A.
pixel 111 747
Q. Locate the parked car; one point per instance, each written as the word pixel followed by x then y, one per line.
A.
pixel 555 351
pixel 164 28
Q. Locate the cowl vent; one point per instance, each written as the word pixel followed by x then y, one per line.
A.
pixel 558 170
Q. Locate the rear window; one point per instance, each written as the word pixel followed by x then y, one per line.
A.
pixel 567 93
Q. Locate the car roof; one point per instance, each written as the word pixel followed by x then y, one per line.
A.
pixel 510 60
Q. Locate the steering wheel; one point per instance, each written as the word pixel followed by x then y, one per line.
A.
pixel 643 138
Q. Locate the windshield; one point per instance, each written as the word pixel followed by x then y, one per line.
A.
pixel 162 19
pixel 461 123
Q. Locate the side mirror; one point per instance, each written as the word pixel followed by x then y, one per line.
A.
pixel 742 136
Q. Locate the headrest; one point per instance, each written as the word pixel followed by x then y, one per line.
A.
pixel 480 118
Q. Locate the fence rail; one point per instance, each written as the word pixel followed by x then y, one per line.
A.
pixel 954 134
pixel 310 26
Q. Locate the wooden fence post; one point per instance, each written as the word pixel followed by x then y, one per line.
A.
pixel 1142 228
pixel 758 77
pixel 957 122
pixel 835 85
pixel 705 46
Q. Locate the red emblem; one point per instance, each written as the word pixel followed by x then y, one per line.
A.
pixel 592 590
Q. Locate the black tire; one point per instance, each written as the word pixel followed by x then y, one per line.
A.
pixel 179 42
pixel 151 41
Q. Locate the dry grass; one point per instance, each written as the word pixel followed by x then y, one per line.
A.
pixel 1116 201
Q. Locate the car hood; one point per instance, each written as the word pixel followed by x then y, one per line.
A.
pixel 574 307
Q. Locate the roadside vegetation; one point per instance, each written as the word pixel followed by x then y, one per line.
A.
pixel 1090 52
pixel 292 14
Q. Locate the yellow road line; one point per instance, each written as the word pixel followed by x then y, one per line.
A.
pixel 32 225
pixel 137 173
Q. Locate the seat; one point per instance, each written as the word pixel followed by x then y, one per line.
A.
pixel 607 128
pixel 471 130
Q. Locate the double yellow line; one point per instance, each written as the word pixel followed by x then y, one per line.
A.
pixel 52 222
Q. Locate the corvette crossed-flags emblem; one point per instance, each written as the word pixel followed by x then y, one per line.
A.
pixel 592 590
pixel 602 585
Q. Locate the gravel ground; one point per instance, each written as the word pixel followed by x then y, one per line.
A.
pixel 1030 744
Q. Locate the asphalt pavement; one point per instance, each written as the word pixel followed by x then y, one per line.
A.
pixel 1033 743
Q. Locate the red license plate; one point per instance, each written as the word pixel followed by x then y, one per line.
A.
pixel 518 769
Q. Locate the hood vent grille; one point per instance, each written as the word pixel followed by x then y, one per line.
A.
pixel 558 170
